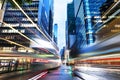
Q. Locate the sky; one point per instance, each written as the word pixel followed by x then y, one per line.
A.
pixel 60 16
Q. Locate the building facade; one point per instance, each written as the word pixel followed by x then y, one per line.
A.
pixel 18 32
pixel 55 33
pixel 110 17
pixel 81 41
pixel 86 20
pixel 108 32
pixel 45 16
pixel 71 25
pixel 92 18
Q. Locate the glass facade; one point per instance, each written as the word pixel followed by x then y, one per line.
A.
pixel 80 24
pixel 71 18
pixel 15 23
pixel 19 30
pixel 71 25
pixel 55 31
pixel 92 17
pixel 86 20
pixel 111 20
pixel 45 16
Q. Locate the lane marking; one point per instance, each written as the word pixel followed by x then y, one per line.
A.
pixel 38 76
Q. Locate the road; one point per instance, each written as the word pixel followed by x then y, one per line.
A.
pixel 81 72
pixel 62 73
pixel 88 72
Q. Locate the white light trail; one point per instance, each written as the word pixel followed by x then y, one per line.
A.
pixel 38 76
pixel 33 22
pixel 18 31
pixel 16 43
pixel 30 20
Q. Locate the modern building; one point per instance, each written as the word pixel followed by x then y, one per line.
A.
pixel 92 18
pixel 72 36
pixel 81 40
pixel 46 15
pixel 108 33
pixel 87 19
pixel 70 25
pixel 20 32
pixel 14 20
pixel 85 16
pixel 110 17
pixel 2 9
pixel 55 33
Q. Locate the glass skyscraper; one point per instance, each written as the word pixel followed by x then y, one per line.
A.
pixel 55 33
pixel 88 17
pixel 92 17
pixel 86 20
pixel 20 31
pixel 108 32
pixel 111 20
pixel 71 25
pixel 80 24
pixel 13 17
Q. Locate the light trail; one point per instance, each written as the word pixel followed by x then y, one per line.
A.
pixel 34 24
pixel 16 43
pixel 38 76
pixel 31 20
pixel 18 32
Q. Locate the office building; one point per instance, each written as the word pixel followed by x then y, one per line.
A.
pixel 71 25
pixel 81 41
pixel 92 18
pixel 18 32
pixel 110 17
pixel 55 33
pixel 87 19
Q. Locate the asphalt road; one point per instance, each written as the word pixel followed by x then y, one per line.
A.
pixel 88 72
pixel 61 73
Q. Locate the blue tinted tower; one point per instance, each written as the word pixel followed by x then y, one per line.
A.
pixel 71 25
pixel 81 40
pixel 92 17
pixel 55 33
pixel 38 11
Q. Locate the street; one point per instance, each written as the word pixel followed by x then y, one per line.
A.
pixel 62 73
pixel 90 72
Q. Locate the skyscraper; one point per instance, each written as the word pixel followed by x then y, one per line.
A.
pixel 88 17
pixel 81 41
pixel 45 15
pixel 20 30
pixel 107 33
pixel 110 16
pixel 73 36
pixel 92 16
pixel 55 33
pixel 71 25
